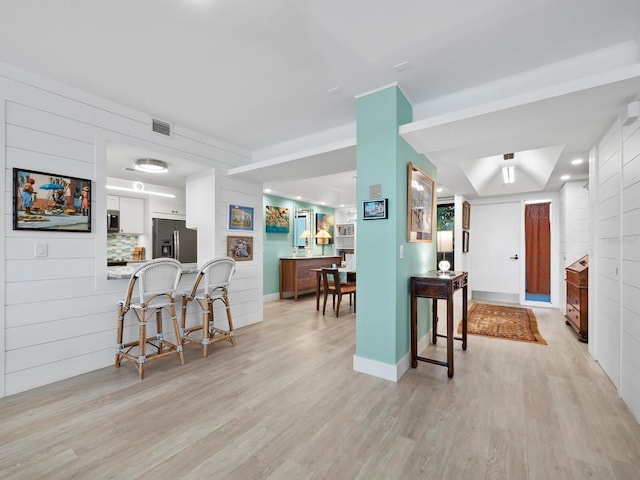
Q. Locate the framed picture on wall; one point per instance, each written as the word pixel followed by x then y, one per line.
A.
pixel 276 219
pixel 324 222
pixel 375 209
pixel 240 218
pixel 420 193
pixel 240 248
pixel 50 201
pixel 466 215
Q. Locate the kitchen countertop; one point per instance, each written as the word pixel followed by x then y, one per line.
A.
pixel 127 270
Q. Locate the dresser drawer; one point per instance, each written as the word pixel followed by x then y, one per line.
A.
pixel 573 315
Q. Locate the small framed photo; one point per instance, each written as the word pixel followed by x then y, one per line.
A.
pixel 465 241
pixel 50 201
pixel 240 248
pixel 374 209
pixel 240 218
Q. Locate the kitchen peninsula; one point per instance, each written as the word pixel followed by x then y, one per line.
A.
pixel 120 272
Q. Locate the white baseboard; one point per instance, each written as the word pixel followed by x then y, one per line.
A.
pixel 385 370
pixel 273 297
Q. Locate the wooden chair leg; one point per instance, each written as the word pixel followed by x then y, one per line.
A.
pixel 324 305
pixel 119 344
pixel 176 327
pixel 338 307
pixel 232 337
pixel 207 318
pixel 142 346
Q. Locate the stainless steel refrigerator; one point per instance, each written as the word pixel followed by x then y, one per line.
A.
pixel 171 238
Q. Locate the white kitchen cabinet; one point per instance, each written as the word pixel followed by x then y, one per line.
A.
pixel 170 206
pixel 132 219
pixel 131 215
pixel 113 202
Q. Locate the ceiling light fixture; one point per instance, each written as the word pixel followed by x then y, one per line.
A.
pixel 565 177
pixel 151 165
pixel 508 174
pixel 577 161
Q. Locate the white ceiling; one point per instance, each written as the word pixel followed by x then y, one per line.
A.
pixel 257 73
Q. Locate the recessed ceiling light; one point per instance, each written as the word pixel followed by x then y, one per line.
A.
pixel 151 165
pixel 298 197
pixel 138 186
pixel 267 190
pixel 565 177
pixel 577 161
pixel 439 189
pixel 508 174
pixel 342 205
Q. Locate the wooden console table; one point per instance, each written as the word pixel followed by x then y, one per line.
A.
pixel 437 286
pixel 296 274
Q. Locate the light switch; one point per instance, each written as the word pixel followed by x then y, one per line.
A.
pixel 41 250
pixel 401 251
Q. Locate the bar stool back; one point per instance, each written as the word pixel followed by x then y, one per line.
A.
pixel 211 284
pixel 156 282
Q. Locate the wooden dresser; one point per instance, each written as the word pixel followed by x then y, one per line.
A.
pixel 296 276
pixel 578 298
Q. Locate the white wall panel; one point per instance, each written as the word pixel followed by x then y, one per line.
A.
pixel 44 162
pixel 43 121
pixel 22 314
pixel 631 223
pixel 20 137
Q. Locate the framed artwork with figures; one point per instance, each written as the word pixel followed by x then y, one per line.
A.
pixel 50 201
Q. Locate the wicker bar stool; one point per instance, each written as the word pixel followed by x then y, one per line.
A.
pixel 211 284
pixel 156 281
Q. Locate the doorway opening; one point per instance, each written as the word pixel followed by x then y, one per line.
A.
pixel 537 228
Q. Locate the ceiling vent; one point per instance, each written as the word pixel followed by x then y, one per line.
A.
pixel 163 128
pixel 508 156
pixel 631 112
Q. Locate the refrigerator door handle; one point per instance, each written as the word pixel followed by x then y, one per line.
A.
pixel 176 243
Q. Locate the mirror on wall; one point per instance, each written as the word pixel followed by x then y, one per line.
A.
pixel 302 222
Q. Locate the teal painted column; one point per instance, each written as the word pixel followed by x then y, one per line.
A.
pixel 382 319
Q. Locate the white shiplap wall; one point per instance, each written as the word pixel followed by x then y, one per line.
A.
pixel 574 228
pixel 59 312
pixel 607 314
pixel 630 335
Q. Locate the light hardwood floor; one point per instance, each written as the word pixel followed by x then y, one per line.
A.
pixel 285 403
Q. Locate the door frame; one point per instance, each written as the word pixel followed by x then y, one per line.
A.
pixel 555 252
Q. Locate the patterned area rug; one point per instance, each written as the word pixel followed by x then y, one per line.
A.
pixel 511 323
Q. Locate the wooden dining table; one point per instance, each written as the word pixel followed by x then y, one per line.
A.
pixel 351 277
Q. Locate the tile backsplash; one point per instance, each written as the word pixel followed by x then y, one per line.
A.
pixel 120 246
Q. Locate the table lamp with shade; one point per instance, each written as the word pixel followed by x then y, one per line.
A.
pixel 323 238
pixel 445 245
pixel 307 235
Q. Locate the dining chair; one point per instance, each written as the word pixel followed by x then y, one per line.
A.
pixel 333 286
pixel 211 285
pixel 155 283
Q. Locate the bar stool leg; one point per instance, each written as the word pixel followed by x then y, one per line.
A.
pixel 232 336
pixel 120 334
pixel 142 346
pixel 176 327
pixel 207 315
